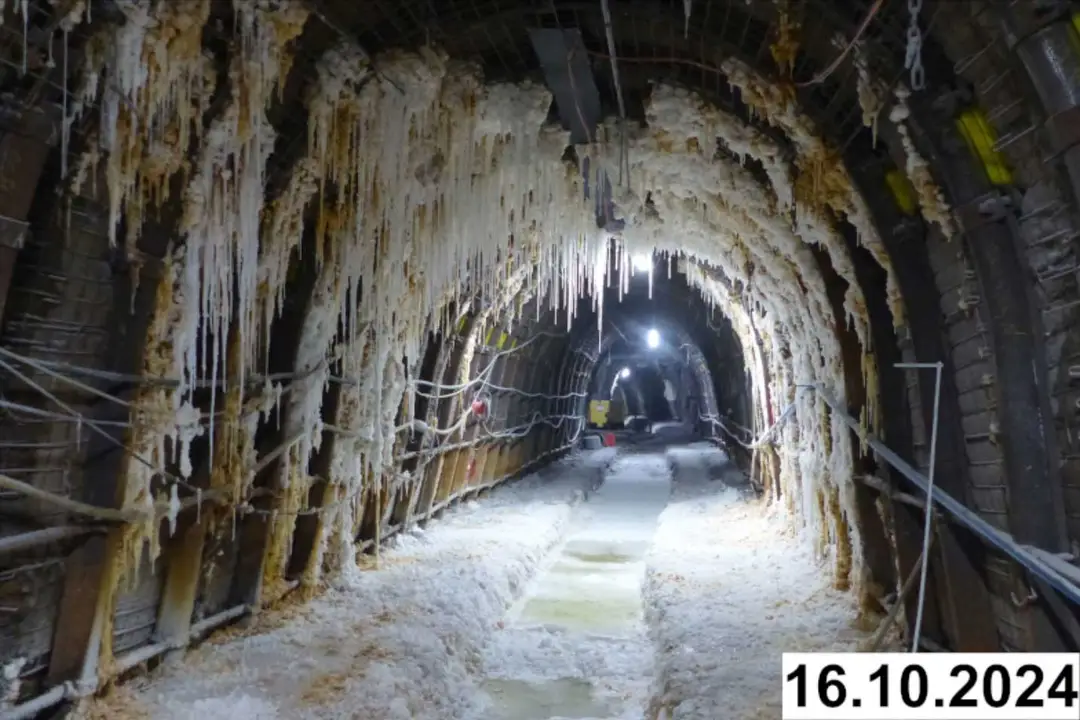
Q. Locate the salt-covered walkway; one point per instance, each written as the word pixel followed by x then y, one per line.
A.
pixel 729 589
pixel 576 645
pixel 659 597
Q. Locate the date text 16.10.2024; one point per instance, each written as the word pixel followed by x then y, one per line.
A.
pixel 931 686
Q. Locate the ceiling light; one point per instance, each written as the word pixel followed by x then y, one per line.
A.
pixel 653 338
pixel 641 262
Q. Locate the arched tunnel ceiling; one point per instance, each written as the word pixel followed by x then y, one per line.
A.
pixel 323 218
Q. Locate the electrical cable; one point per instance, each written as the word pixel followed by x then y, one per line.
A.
pixel 824 74
pixel 95 427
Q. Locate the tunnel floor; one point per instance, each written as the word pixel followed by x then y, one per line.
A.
pixel 575 645
pixel 667 593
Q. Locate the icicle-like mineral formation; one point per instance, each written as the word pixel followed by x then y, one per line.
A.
pixel 430 186
pixel 935 209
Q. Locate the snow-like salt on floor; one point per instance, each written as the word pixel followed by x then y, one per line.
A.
pixel 728 591
pixel 400 643
pixel 437 634
pixel 576 646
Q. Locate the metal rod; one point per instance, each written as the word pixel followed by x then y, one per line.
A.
pixel 23 541
pixel 139 655
pixel 929 508
pixel 31 708
pixel 217 620
pixel 94 511
pixel 1000 540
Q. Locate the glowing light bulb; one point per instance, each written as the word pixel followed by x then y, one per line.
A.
pixel 641 262
pixel 624 373
pixel 653 338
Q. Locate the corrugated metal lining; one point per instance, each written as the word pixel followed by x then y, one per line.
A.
pixel 58 310
pixel 136 609
pixel 29 597
pixel 215 580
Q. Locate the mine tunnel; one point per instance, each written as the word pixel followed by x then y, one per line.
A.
pixel 504 360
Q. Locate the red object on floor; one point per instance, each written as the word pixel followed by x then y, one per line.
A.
pixel 609 439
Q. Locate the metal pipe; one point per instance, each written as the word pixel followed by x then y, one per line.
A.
pixel 124 662
pixel 23 541
pixel 1047 54
pixel 938 366
pixel 217 620
pixel 986 531
pixel 32 707
pixel 140 655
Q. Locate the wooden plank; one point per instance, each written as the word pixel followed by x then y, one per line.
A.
pixel 505 375
pixel 444 410
pixel 255 544
pixel 78 611
pixel 309 527
pixel 183 554
pixel 433 365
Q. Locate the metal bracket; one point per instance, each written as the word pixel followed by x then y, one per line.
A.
pixel 983 210
pixel 13 232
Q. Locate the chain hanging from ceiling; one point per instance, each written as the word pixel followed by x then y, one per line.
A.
pixel 913 60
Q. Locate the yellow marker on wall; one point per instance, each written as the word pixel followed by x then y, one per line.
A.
pixel 502 341
pixel 981 138
pixel 902 192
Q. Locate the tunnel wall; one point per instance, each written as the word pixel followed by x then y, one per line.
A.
pixel 311 489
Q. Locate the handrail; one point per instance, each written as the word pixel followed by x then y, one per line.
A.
pixel 1038 561
pixel 1002 541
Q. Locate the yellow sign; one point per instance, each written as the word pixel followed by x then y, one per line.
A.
pixel 598 411
pixel 981 139
pixel 902 191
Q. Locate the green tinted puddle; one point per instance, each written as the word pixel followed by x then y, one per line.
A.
pixel 543 699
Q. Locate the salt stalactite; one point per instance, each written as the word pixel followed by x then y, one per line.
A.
pixel 932 204
pixel 223 323
pixel 224 199
pixel 348 478
pixel 432 174
pixel 161 422
pixel 824 181
pixel 785 48
pixel 159 85
pixel 870 90
pixel 221 225
pixel 433 186
pixel 711 208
